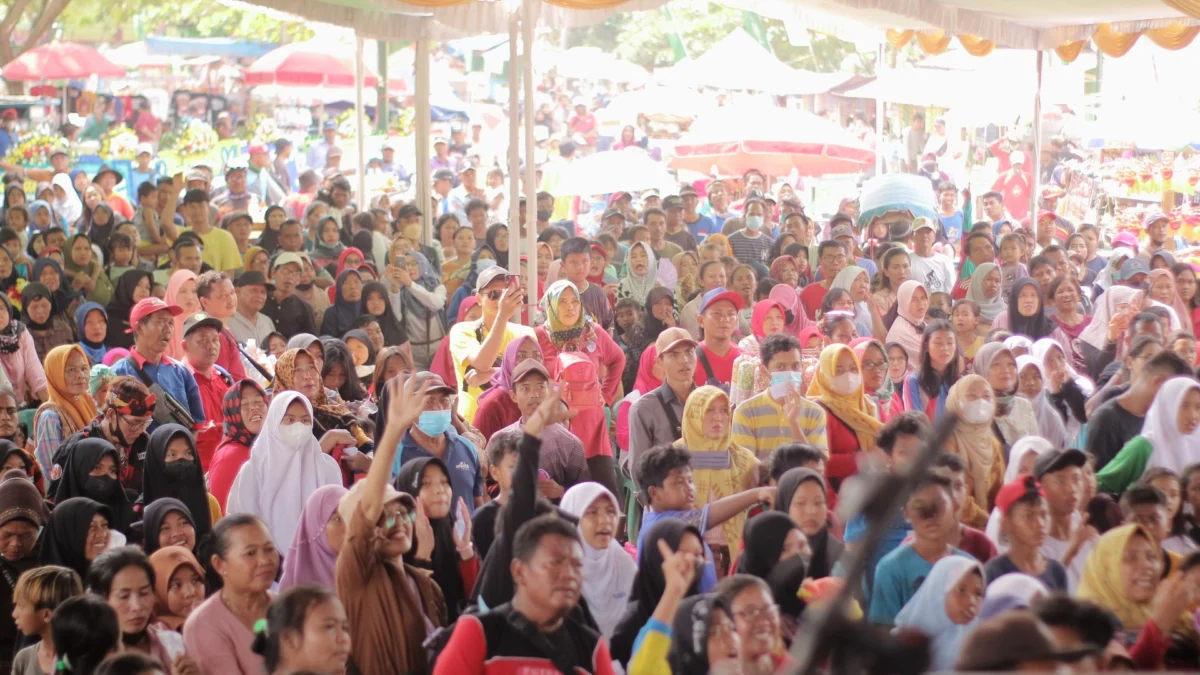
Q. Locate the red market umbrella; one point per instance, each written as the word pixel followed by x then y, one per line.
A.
pixel 60 61
pixel 773 140
pixel 307 64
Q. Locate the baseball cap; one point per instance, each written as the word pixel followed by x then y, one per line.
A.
pixel 10 114
pixel 718 294
pixel 285 258
pixel 1133 267
pixel 60 150
pixel 489 275
pixel 436 383
pixel 349 502
pixel 443 174
pixel 672 202
pixel 1004 641
pixel 1046 214
pixel 440 139
pixel 257 149
pixel 147 306
pixel 334 152
pixel 672 338
pixel 843 231
pixel 409 210
pixel 236 164
pixel 144 148
pixel 1015 489
pixel 688 190
pixel 389 144
pixel 921 223
pixel 613 213
pixel 196 174
pixel 329 125
pixel 618 196
pixel 253 278
pixel 597 249
pixel 465 167
pixel 529 366
pixel 1125 239
pixel 201 320
pixel 1057 459
pixel 1153 216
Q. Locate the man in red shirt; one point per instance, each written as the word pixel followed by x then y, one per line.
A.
pixel 202 345
pixel 718 319
pixel 831 256
pixel 1014 185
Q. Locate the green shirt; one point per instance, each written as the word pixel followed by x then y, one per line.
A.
pixel 1126 467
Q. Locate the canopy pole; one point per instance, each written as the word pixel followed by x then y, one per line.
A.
pixel 514 136
pixel 1035 179
pixel 527 26
pixel 421 132
pixel 361 142
pixel 879 111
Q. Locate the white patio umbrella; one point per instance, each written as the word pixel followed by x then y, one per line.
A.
pixel 628 170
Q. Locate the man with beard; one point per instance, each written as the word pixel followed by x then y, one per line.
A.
pixel 290 314
pixel 153 329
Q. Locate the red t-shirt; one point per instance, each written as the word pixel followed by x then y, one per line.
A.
pixel 812 296
pixel 843 448
pixel 722 366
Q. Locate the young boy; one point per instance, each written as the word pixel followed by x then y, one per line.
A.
pixel 1025 522
pixel 665 475
pixel 37 594
pixel 970 540
pixel 792 455
pixel 900 573
pixel 940 305
pixel 501 463
pixel 965 319
pixel 1146 505
pixel 1011 267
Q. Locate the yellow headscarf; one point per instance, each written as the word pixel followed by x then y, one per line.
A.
pixel 250 253
pixel 721 241
pixel 80 410
pixel 1101 582
pixel 719 467
pixel 978 447
pixel 852 409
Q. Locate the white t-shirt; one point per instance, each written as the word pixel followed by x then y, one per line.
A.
pixel 935 272
pixel 1057 549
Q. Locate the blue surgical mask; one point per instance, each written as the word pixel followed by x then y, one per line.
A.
pixel 783 383
pixel 483 263
pixel 434 422
pixel 754 223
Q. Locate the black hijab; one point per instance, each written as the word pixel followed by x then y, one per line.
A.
pixel 763 539
pixel 363 241
pixel 11 280
pixel 120 307
pixel 77 458
pixel 31 292
pixel 64 539
pixel 689 639
pixel 65 294
pixel 1034 327
pixel 826 550
pixel 156 513
pixel 444 560
pixel 493 231
pixel 269 239
pixel 340 316
pixel 181 479
pixel 649 584
pixel 394 333
pixel 653 327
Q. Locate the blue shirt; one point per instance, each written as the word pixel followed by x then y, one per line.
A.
pixel 953 225
pixel 697 518
pixel 703 227
pixel 173 377
pixel 856 532
pixel 897 579
pixel 466 480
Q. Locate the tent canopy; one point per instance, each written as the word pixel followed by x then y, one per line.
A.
pixel 177 46
pixel 740 62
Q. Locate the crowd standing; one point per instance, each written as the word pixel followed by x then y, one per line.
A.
pixel 255 429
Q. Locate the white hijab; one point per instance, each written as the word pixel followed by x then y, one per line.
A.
pixel 1172 450
pixel 845 279
pixel 1030 444
pixel 278 480
pixel 70 208
pixel 607 573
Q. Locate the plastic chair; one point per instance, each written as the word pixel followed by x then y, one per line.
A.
pixel 25 419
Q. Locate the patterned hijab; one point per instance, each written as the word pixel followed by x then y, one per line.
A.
pixel 561 334
pixel 232 424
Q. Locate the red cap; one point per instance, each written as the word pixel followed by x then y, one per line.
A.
pixel 10 114
pixel 1046 214
pixel 147 306
pixel 258 149
pixel 599 250
pixel 1015 489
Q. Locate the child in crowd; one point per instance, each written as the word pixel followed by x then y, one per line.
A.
pixel 1025 522
pixel 665 476
pixel 940 306
pixel 501 463
pixel 965 319
pixel 1011 268
pixel 37 594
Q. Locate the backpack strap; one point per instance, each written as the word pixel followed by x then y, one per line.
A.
pixel 712 378
pixel 676 427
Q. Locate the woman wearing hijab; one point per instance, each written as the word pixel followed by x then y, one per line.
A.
pixel 971 399
pixel 69 407
pixel 50 273
pixel 649 582
pixel 912 301
pixel 1060 406
pixel 1020 461
pixel 273 218
pixel 857 281
pixel 377 303
pixel 21 365
pixel 720 468
pixel 497 240
pixel 347 304
pixel 1015 417
pixel 44 319
pixel 176 569
pixel 297 371
pixel 66 200
pixel 926 388
pixel 1011 591
pixel 642 273
pixel 181 292
pixel 496 407
pixel 20 504
pixel 749 379
pixel 83 267
pixel 243 412
pixel 89 469
pixel 608 570
pixel 1026 316
pixel 802 495
pixel 427 480
pixel 985 291
pixel 1164 291
pixel 312 557
pixel 94 349
pixel 133 286
pixel 327 244
pixel 168 522
pixel 1169 438
pixel 76 532
pixel 945 608
pixel 420 302
pixel 774 551
pixel 877 383
pixel 286 466
pixel 173 470
pixel 851 420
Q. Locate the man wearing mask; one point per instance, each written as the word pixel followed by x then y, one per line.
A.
pixel 290 314
pixel 676 232
pixel 831 256
pixel 780 414
pixel 699 225
pixel 656 224
pixel 153 326
pixel 217 298
pixel 202 345
pixel 751 244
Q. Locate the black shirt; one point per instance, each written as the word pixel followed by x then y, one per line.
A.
pixel 292 317
pixel 1110 428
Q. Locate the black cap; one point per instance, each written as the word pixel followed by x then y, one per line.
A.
pixel 613 212
pixel 443 174
pixel 195 197
pixel 687 190
pixel 201 320
pixel 899 230
pixel 252 278
pixel 672 202
pixel 1057 459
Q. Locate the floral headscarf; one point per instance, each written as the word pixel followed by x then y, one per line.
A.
pixel 560 334
pixel 232 425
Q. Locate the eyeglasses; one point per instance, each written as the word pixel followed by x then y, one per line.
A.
pixel 136 424
pixel 874 365
pixel 393 516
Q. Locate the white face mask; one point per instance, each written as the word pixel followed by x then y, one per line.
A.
pixel 847 383
pixel 295 435
pixel 978 412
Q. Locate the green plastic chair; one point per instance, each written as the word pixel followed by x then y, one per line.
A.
pixel 25 418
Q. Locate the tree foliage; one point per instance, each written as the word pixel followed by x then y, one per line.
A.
pixel 641 38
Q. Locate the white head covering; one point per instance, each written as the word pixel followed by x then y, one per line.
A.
pixel 608 573
pixel 1018 342
pixel 70 208
pixel 278 480
pixel 1022 586
pixel 1030 444
pixel 1096 333
pixel 926 611
pixel 638 287
pixel 1172 450
pixel 1105 278
pixel 845 279
pixel 989 309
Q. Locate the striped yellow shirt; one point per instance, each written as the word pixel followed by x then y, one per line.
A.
pixel 759 425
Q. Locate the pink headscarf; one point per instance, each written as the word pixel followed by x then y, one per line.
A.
pixel 309 559
pixel 790 300
pixel 646 382
pixel 759 315
pixel 178 279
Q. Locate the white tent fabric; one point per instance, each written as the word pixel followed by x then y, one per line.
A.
pixel 739 62
pixel 630 170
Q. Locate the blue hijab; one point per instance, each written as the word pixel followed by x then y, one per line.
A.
pixel 926 610
pixel 95 350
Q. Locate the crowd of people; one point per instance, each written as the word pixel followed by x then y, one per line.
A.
pixel 320 441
